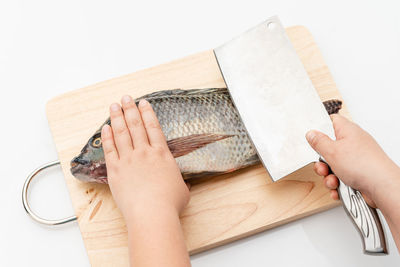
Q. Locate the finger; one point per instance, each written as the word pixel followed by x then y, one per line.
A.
pixel 334 195
pixel 331 181
pixel 153 128
pixel 339 122
pixel 107 140
pixel 321 143
pixel 134 122
pixel 321 169
pixel 338 119
pixel 121 134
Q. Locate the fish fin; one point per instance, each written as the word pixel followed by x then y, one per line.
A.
pixel 184 145
pixel 333 106
pixel 181 92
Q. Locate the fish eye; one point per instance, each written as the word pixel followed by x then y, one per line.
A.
pixel 96 142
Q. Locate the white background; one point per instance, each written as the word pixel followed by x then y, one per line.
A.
pixel 51 47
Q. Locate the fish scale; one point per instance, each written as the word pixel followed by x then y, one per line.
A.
pixel 206 113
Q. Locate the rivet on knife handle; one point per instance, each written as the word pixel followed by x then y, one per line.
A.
pixel 365 218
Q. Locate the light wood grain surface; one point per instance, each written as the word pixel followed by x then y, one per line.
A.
pixel 221 209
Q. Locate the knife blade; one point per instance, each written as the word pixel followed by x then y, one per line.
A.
pixel 274 96
pixel 278 105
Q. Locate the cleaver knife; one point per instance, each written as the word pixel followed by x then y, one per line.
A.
pixel 278 105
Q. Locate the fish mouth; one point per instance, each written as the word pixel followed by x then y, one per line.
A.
pixel 92 172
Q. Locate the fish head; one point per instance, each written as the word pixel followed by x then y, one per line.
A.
pixel 89 165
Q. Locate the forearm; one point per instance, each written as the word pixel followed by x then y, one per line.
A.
pixel 156 238
pixel 387 198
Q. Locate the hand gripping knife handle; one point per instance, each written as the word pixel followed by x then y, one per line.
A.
pixel 265 75
pixel 364 217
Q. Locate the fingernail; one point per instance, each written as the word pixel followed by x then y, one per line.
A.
pixel 114 107
pixel 143 102
pixel 328 183
pixel 126 99
pixel 105 131
pixel 310 136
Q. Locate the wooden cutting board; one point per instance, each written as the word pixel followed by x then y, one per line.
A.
pixel 221 209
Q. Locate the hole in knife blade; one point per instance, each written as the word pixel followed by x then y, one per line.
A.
pixel 271 25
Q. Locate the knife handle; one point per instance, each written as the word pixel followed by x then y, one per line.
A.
pixel 365 218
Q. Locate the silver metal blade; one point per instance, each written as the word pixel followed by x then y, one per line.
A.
pixel 274 96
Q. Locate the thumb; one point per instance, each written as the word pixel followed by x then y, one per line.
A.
pixel 320 142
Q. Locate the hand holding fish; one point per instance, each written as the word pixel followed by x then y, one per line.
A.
pixel 146 184
pixel 362 164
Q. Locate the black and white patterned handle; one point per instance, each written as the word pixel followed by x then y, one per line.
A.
pixel 365 218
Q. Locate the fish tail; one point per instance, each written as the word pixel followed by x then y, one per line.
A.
pixel 333 106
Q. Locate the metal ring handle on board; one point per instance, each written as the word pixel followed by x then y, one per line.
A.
pixel 26 203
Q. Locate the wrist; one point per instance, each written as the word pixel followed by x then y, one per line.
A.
pixel 387 187
pixel 151 210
